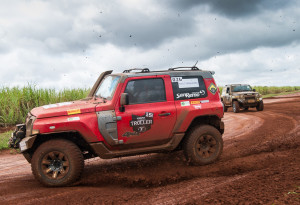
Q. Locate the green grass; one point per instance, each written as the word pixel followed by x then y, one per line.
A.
pixel 16 102
pixel 4 137
pixel 278 94
pixel 264 90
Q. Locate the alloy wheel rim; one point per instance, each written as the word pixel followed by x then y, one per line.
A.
pixel 55 165
pixel 206 146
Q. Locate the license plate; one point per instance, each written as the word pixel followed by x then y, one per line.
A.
pixel 251 101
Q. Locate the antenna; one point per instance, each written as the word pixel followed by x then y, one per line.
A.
pixel 195 64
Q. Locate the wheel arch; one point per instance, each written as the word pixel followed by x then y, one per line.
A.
pixel 74 137
pixel 207 119
pixel 212 120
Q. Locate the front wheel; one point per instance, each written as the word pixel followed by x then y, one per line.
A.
pixel 260 106
pixel 203 145
pixel 57 162
pixel 236 107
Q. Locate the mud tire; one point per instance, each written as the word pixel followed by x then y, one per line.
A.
pixel 203 139
pixel 225 108
pixel 235 107
pixel 71 153
pixel 260 106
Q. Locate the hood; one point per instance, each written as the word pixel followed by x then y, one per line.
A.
pixel 245 93
pixel 64 108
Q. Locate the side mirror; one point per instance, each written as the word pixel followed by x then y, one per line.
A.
pixel 124 100
pixel 254 90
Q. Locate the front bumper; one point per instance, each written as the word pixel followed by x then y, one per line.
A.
pixel 250 102
pixel 17 136
pixel 22 137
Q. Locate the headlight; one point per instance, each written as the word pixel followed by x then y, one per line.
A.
pixel 240 96
pixel 29 124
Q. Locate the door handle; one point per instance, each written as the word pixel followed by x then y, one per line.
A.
pixel 164 114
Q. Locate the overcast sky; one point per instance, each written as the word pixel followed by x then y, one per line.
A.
pixel 67 44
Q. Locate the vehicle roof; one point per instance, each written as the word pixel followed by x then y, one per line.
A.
pixel 235 84
pixel 203 73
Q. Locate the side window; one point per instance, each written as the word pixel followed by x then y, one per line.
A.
pixel 224 91
pixel 188 87
pixel 227 89
pixel 146 91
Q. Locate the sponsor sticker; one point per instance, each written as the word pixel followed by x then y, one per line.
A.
pixel 197 107
pixel 56 105
pixel 176 79
pixel 73 111
pixel 204 101
pixel 195 102
pixel 64 103
pixel 188 83
pixel 185 103
pixel 212 88
pixel 190 95
pixel 140 124
pixel 73 119
pixel 49 106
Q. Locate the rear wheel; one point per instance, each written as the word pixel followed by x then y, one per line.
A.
pixel 57 162
pixel 260 106
pixel 236 106
pixel 203 145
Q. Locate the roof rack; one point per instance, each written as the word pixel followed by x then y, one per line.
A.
pixel 192 68
pixel 142 70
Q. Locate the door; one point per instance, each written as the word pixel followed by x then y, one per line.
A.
pixel 151 114
pixel 227 98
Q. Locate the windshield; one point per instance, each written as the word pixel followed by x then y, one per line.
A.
pixel 240 88
pixel 107 86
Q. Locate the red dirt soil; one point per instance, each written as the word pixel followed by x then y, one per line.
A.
pixel 260 164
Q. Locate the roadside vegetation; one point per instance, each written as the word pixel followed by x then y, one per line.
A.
pixel 4 137
pixel 16 102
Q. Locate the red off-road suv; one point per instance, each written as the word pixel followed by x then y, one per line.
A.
pixel 129 113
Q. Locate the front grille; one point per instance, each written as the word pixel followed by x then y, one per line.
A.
pixel 250 97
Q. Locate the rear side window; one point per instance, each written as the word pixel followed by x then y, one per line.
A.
pixel 188 87
pixel 146 91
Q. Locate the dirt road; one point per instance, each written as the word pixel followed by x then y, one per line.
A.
pixel 260 164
